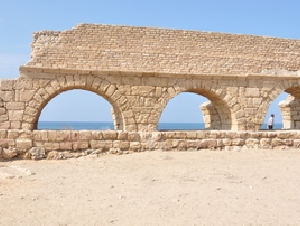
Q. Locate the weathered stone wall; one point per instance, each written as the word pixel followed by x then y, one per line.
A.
pixel 61 144
pixel 138 100
pixel 138 70
pixel 153 50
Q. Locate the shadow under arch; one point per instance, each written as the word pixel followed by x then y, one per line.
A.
pixel 216 112
pixel 42 98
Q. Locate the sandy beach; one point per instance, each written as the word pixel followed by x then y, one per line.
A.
pixel 154 188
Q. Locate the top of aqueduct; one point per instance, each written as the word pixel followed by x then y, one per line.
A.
pixel 107 48
pixel 139 69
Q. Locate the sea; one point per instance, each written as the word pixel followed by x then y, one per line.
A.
pixel 89 125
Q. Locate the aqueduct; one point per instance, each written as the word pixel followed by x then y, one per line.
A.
pixel 139 69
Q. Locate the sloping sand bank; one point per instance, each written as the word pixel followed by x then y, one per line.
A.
pixel 154 188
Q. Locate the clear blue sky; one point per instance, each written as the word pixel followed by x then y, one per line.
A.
pixel 20 18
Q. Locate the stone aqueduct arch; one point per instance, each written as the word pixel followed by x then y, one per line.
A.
pixel 139 69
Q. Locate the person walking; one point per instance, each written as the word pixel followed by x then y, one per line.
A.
pixel 271 121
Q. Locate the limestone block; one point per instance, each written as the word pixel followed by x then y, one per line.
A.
pixel 3 133
pixel 208 143
pixel 123 135
pixel 289 142
pixel 238 142
pixel 80 80
pixel 7 95
pixel 90 80
pixel 211 135
pixel 226 141
pixel 2 110
pixel 191 135
pixel 4 124
pixel 80 144
pixel 37 153
pixel 115 151
pixel 6 85
pixel 257 101
pixel 116 144
pixel 116 95
pixel 283 135
pixel 172 92
pixel 193 144
pixel 53 155
pixel 50 90
pixel 15 105
pixel 65 145
pixel 296 143
pixel 97 83
pixel 252 142
pixel 3 118
pixel 51 146
pixel 52 135
pixel 170 135
pixel 272 135
pixel 97 135
pixel 40 135
pixel 105 85
pixel 15 124
pixel 128 114
pixel 55 83
pixel 181 143
pixel 31 111
pixel 6 142
pixel 85 135
pixel 24 143
pixel 22 84
pixel 61 82
pixel 9 153
pixel 135 145
pixel 200 134
pixel 97 144
pixel 277 142
pixel 134 137
pixel 265 142
pixel 74 135
pixel 109 135
pixel 252 92
pixel 34 104
pixel 13 133
pixel 124 145
pixel 26 95
pixel 156 136
pixel 70 81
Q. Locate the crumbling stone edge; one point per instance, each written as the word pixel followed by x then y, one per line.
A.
pixel 65 144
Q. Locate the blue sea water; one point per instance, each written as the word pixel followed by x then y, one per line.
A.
pixel 109 125
pixel 79 125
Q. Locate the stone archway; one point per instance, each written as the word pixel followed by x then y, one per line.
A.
pixel 217 116
pixel 97 85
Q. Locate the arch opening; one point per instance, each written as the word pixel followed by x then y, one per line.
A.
pixel 77 108
pixel 194 110
pixel 274 109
